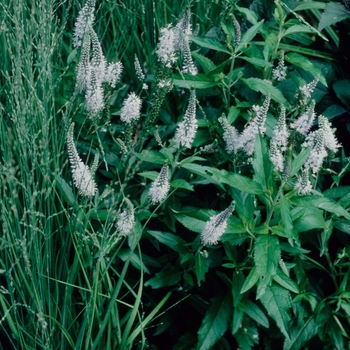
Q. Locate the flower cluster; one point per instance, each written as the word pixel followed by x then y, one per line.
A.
pixel 92 69
pixel 307 89
pixel 126 219
pixel 303 185
pixel 186 130
pixel 245 141
pixel 82 175
pixel 174 40
pixel 216 226
pixel 160 186
pixel 304 123
pixel 280 72
pixel 320 141
pixel 279 141
pixel 131 108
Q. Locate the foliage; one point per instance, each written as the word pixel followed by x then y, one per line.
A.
pixel 119 176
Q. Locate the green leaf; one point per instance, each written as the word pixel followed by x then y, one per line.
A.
pixel 249 35
pixel 205 62
pixel 286 217
pixel 283 280
pixel 169 276
pixel 209 43
pixel 218 177
pixel 174 242
pixel 262 165
pixel 201 267
pixel 67 192
pixel 188 81
pixel 299 161
pixel 237 318
pixel 306 64
pixel 151 157
pixel 333 13
pixel 215 322
pixel 325 235
pixel 256 61
pixel 307 219
pixel 244 205
pixel 194 220
pixel 254 312
pixel 298 28
pixel 250 15
pixel 277 302
pixel 343 225
pixel 270 46
pixel 152 175
pixel 251 280
pixel 72 56
pixel 299 336
pixel 247 335
pixel 135 259
pixel 180 183
pixel 341 89
pixel 265 87
pixel 321 202
pixel 337 192
pixel 237 284
pixel 267 254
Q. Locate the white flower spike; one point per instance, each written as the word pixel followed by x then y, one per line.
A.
pixel 216 226
pixel 82 175
pixel 160 186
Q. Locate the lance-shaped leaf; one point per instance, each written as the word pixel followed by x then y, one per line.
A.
pixel 215 322
pixel 277 302
pixel 267 254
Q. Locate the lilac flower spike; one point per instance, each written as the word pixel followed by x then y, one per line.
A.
pixel 216 226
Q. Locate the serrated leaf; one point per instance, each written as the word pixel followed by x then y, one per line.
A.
pixel 277 303
pixel 254 312
pixel 256 61
pixel 205 62
pixel 301 335
pixel 333 13
pixel 215 322
pixel 306 64
pixel 250 15
pixel 180 183
pixel 172 241
pixel 251 280
pixel 267 254
pixel 321 202
pixel 169 276
pixel 247 335
pixel 337 192
pixel 265 87
pixel 208 43
pixel 194 220
pixel 151 157
pixel 310 219
pixel 286 282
